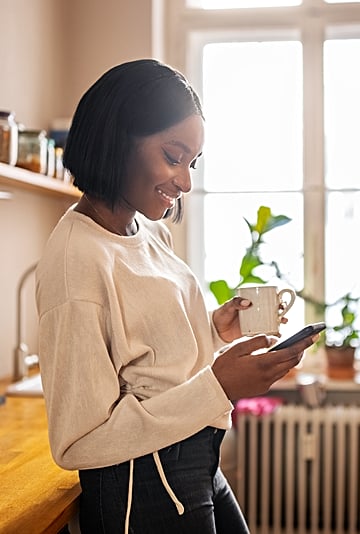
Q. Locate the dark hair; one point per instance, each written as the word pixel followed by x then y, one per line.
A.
pixel 131 100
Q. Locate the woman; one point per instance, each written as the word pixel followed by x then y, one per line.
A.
pixel 136 400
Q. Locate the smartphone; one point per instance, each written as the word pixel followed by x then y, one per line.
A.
pixel 309 330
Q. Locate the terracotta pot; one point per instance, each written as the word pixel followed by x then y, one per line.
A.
pixel 340 361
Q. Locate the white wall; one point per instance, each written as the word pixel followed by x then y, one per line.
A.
pixel 51 52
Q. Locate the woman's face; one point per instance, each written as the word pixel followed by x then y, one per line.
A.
pixel 159 168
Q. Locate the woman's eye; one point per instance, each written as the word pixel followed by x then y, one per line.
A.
pixel 193 164
pixel 170 159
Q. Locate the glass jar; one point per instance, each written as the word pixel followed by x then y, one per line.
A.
pixel 33 150
pixel 8 138
pixel 59 168
pixel 51 158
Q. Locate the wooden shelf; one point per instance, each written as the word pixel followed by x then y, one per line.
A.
pixel 11 176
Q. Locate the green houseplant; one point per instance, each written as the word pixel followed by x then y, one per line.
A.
pixel 345 334
pixel 341 338
pixel 265 223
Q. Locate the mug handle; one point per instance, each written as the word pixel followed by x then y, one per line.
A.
pixel 286 305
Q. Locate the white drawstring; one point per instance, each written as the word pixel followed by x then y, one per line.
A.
pixel 179 506
pixel 130 490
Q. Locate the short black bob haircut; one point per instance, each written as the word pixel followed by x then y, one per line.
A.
pixel 131 100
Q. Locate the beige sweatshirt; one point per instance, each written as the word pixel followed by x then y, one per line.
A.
pixel 126 345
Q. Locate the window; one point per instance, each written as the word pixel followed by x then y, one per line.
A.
pixel 280 90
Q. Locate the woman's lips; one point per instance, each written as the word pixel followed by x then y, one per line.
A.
pixel 170 200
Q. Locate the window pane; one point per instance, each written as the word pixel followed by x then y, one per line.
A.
pixel 342 112
pixel 342 235
pixel 252 95
pixel 342 231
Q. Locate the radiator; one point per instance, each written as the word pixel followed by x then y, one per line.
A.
pixel 298 470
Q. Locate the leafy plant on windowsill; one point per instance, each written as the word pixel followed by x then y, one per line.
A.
pixel 344 333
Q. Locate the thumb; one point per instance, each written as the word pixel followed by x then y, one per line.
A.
pixel 248 346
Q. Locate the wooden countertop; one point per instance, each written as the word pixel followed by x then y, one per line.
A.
pixel 37 496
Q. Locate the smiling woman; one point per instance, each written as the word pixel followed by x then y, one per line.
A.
pixel 138 399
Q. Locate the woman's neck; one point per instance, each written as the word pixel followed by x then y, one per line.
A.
pixel 120 221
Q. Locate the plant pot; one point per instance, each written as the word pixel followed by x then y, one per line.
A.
pixel 340 362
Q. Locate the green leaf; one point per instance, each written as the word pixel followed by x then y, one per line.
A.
pixel 275 222
pixel 251 227
pixel 221 291
pixel 249 262
pixel 266 221
pixel 348 316
pixel 251 279
pixel 263 216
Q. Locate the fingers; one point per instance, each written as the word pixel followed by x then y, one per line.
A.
pixel 282 369
pixel 233 305
pixel 253 344
pixel 300 346
pixel 241 372
pixel 241 303
pixel 273 369
pixel 286 359
pixel 249 375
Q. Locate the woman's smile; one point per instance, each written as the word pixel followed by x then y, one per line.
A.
pixel 169 200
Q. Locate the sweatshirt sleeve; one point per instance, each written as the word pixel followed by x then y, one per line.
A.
pixel 87 417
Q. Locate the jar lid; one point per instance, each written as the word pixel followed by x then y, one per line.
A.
pixel 33 133
pixel 6 114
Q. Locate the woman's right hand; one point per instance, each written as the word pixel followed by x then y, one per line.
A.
pixel 242 373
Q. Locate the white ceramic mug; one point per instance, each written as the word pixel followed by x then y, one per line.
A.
pixel 268 307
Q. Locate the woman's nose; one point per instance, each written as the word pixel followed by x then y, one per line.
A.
pixel 183 181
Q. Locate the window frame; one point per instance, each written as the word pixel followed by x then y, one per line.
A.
pixel 188 28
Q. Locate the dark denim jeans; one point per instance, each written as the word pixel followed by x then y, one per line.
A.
pixel 192 470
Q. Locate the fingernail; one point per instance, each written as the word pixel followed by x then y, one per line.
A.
pixel 245 302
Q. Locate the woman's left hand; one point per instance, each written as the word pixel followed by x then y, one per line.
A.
pixel 226 318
